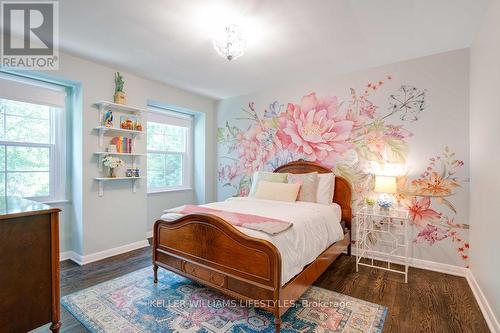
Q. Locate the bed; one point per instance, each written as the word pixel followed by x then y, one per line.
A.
pixel 252 266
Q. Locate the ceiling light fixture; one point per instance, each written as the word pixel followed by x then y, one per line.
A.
pixel 231 43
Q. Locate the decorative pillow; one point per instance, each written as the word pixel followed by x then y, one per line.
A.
pixel 268 177
pixel 326 188
pixel 309 185
pixel 277 191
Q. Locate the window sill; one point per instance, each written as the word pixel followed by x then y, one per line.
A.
pixel 169 190
pixel 53 202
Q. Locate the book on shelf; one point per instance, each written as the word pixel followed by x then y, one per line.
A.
pixel 123 144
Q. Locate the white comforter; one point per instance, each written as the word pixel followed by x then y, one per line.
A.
pixel 315 228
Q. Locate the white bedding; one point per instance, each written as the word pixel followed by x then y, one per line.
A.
pixel 315 228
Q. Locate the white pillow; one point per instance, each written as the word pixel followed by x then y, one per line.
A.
pixel 326 188
pixel 308 185
pixel 277 191
pixel 275 177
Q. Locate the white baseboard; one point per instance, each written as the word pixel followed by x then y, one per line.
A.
pixel 439 267
pixel 423 264
pixel 87 259
pixel 149 234
pixel 487 311
pixel 66 255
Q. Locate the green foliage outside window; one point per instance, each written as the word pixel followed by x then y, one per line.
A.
pixel 166 147
pixel 24 149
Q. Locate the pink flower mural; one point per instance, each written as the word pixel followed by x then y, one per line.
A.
pixel 420 211
pixel 254 149
pixel 430 233
pixel 316 129
pixel 349 136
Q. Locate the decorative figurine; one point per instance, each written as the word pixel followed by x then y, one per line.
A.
pixel 119 93
pixel 108 119
pixel 128 122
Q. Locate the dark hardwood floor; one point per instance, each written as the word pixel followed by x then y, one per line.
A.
pixel 430 302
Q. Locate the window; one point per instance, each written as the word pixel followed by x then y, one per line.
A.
pixel 32 157
pixel 169 142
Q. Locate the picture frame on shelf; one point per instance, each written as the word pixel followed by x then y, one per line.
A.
pixel 112 148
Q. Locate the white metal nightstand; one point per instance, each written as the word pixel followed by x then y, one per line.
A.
pixel 382 235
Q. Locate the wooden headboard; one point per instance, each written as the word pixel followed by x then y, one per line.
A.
pixel 342 194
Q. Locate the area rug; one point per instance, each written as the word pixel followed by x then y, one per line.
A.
pixel 133 303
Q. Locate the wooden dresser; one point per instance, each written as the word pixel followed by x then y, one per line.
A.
pixel 29 265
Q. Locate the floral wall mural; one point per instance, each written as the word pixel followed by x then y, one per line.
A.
pixel 356 131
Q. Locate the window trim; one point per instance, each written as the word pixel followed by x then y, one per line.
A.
pixel 188 159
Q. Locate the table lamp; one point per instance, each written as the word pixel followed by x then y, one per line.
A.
pixel 385 185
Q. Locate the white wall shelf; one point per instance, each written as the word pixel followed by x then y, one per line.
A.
pixel 121 154
pixel 104 105
pixel 101 181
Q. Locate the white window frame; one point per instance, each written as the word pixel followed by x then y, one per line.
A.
pixel 168 116
pixel 56 145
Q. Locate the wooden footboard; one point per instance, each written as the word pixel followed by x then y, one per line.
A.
pixel 211 251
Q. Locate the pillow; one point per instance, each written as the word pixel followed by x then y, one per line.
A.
pixel 277 191
pixel 326 187
pixel 309 185
pixel 267 176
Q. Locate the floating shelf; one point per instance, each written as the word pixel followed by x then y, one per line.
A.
pixel 105 129
pixel 101 181
pixel 104 105
pixel 115 178
pixel 121 154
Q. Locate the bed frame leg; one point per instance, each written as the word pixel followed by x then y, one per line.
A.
pixel 349 249
pixel 155 273
pixel 277 324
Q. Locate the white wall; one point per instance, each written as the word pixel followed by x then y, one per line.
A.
pixel 485 158
pixel 91 223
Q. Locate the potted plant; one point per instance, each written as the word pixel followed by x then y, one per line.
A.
pixel 119 94
pixel 370 202
pixel 112 163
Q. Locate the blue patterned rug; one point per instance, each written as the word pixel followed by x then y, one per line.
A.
pixel 133 303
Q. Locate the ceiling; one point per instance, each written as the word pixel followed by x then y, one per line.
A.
pixel 170 40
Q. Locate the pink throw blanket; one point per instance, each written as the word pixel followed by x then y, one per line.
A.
pixel 255 222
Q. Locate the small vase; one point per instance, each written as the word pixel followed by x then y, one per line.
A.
pixel 112 172
pixel 120 97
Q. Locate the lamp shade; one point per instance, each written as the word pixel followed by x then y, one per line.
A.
pixel 385 184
